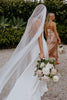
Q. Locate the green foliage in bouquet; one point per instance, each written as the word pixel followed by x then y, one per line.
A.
pixel 51 61
pixel 45 63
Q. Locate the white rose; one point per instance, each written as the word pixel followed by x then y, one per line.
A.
pixel 42 65
pixel 35 69
pixel 60 50
pixel 53 71
pixel 44 58
pixel 50 66
pixel 55 78
pixel 45 78
pixel 46 71
pixel 39 73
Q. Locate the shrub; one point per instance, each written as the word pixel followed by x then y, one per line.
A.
pixel 62 30
pixel 14 23
pixel 4 22
pixel 10 37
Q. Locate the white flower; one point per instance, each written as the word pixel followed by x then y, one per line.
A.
pixel 42 65
pixel 53 71
pixel 35 69
pixel 55 78
pixel 50 66
pixel 61 47
pixel 45 78
pixel 60 50
pixel 39 73
pixel 46 71
pixel 44 58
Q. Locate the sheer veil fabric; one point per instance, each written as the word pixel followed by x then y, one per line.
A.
pixel 17 75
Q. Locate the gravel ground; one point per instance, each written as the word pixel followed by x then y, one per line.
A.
pixel 56 91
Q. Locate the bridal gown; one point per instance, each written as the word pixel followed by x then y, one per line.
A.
pixel 28 87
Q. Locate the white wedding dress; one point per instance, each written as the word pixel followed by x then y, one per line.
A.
pixel 18 73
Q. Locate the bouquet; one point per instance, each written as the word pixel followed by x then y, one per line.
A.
pixel 46 71
pixel 60 49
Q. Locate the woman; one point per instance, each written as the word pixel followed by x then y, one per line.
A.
pixel 17 76
pixel 52 36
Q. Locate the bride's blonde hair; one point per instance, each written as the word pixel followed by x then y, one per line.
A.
pixel 48 19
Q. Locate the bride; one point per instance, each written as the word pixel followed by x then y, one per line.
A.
pixel 17 78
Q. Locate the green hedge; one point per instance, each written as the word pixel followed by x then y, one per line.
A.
pixel 62 30
pixel 21 9
pixel 10 37
pixel 25 9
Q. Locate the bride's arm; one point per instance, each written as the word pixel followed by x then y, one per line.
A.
pixel 41 47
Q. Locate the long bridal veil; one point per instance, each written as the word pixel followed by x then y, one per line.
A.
pixel 21 57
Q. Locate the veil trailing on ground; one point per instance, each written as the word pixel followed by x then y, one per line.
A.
pixel 21 57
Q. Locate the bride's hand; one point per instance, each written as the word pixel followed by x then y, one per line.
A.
pixel 41 55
